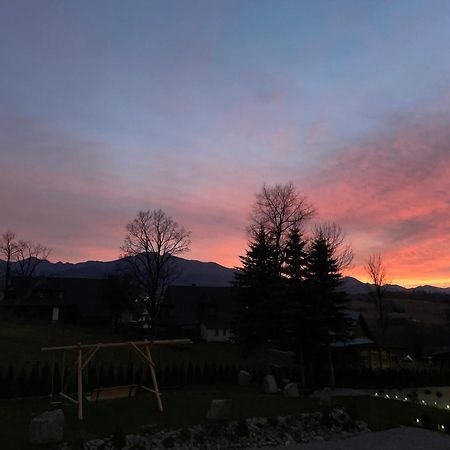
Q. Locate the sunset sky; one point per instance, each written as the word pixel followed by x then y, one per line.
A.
pixel 108 107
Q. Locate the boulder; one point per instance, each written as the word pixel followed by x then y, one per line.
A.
pixel 47 428
pixel 291 390
pixel 220 409
pixel 244 378
pixel 270 384
pixel 325 397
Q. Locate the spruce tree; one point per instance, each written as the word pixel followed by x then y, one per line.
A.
pixel 295 315
pixel 257 286
pixel 325 300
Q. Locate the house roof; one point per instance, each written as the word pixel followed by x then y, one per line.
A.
pixel 88 295
pixel 192 305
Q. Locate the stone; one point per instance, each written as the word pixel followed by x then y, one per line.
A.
pixel 47 428
pixel 220 409
pixel 325 397
pixel 244 378
pixel 291 390
pixel 270 384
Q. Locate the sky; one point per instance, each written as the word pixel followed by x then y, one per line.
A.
pixel 110 107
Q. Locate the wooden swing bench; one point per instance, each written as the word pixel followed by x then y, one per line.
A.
pixel 84 354
pixel 112 393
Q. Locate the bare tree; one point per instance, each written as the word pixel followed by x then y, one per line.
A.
pixel 8 251
pixel 336 241
pixel 20 257
pixel 377 272
pixel 29 256
pixel 277 210
pixel 152 241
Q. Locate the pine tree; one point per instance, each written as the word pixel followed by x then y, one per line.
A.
pixel 296 321
pixel 257 286
pixel 295 258
pixel 325 301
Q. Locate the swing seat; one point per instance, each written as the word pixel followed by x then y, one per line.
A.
pixel 112 393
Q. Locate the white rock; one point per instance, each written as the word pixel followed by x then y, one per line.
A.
pixel 244 378
pixel 291 390
pixel 47 428
pixel 270 384
pixel 220 409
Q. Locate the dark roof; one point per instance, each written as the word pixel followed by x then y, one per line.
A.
pixel 192 305
pixel 88 295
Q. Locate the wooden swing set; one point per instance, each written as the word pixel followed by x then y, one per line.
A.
pixel 85 353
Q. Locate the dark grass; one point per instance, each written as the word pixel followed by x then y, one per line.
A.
pixel 182 409
pixel 21 342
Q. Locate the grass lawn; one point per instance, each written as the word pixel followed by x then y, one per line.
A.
pixel 182 408
pixel 20 345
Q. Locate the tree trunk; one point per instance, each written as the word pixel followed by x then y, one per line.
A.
pixel 7 275
pixel 302 368
pixel 331 366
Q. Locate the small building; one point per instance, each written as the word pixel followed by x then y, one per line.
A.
pixel 58 299
pixel 197 312
pixel 360 349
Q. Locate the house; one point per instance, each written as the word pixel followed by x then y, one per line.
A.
pixel 361 349
pixel 198 312
pixel 58 299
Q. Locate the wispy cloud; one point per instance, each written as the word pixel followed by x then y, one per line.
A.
pixel 390 193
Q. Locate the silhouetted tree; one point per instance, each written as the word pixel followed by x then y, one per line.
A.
pixel 277 210
pixel 20 258
pixel 328 256
pixel 295 313
pixel 256 287
pixel 377 272
pixel 29 256
pixel 152 241
pixel 8 250
pixel 120 292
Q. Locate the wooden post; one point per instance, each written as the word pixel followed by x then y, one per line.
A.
pixel 80 381
pixel 153 374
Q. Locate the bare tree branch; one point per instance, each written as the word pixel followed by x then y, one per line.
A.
pixel 377 272
pixel 152 240
pixel 335 238
pixel 277 210
pixel 29 256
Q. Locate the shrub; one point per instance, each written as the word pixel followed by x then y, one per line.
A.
pixel 272 421
pixel 168 442
pixel 185 435
pixel 118 438
pixel 242 428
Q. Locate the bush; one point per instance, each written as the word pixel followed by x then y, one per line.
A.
pixel 118 438
pixel 242 428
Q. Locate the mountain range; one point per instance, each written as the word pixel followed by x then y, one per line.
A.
pixel 199 273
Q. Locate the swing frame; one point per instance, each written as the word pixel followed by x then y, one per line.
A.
pixel 84 354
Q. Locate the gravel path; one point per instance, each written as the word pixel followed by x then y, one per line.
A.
pixel 403 438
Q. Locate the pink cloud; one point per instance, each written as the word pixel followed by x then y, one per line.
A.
pixel 391 195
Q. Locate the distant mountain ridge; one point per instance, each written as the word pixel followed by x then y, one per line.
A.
pixel 199 273
pixel 353 286
pixel 190 271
